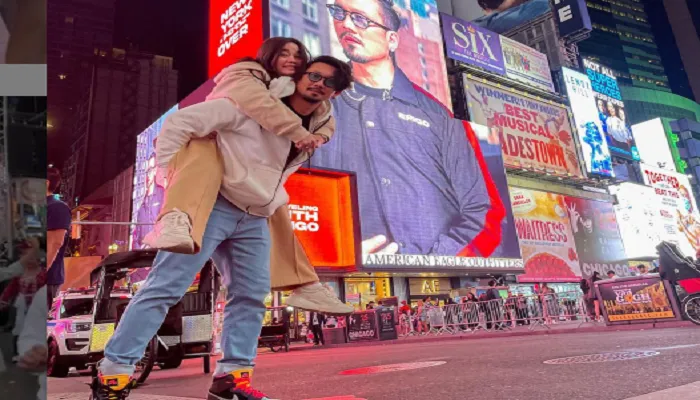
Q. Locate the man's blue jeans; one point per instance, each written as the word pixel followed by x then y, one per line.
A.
pixel 239 244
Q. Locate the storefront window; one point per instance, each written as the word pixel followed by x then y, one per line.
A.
pixel 438 289
pixel 361 291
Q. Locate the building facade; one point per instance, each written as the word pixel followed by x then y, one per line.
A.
pixel 128 91
pixel 304 19
pixel 622 39
pixel 688 133
pixel 81 30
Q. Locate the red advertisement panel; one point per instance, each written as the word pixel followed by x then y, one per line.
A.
pixel 322 210
pixel 236 30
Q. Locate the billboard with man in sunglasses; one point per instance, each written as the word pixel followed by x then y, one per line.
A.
pixel 430 191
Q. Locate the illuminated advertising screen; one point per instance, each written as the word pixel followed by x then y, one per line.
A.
pixel 415 44
pixel 471 44
pixel 679 211
pixel 526 65
pixel 149 186
pixel 430 190
pixel 323 212
pixel 594 146
pixel 236 30
pixel 500 15
pixel 638 217
pixel 546 240
pixel 597 237
pixel 652 143
pixel 636 300
pixel 611 111
pixel 531 133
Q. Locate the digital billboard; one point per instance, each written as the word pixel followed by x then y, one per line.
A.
pixel 430 190
pixel 471 44
pixel 149 185
pixel 597 237
pixel 546 240
pixel 572 18
pixel 526 65
pixel 678 211
pixel 531 133
pixel 324 217
pixel 500 15
pixel 652 143
pixel 638 218
pixel 412 45
pixel 611 110
pixel 594 146
pixel 635 300
pixel 236 30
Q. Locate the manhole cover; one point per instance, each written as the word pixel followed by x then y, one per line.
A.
pixel 391 368
pixel 603 357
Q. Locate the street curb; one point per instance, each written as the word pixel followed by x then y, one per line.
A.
pixel 492 335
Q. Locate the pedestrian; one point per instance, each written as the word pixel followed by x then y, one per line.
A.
pixel 317 322
pixel 20 293
pixel 592 295
pixel 612 275
pixel 643 271
pixel 237 236
pixel 521 309
pixel 550 304
pixel 370 306
pixel 404 318
pixel 493 306
pixel 31 343
pixel 58 222
pixel 196 171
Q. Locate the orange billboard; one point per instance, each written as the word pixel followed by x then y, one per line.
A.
pixel 323 210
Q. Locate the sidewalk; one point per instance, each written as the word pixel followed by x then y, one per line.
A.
pixel 560 328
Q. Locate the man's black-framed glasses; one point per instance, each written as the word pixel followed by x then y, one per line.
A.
pixel 339 14
pixel 316 77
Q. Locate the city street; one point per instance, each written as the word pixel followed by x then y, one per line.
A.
pixel 618 365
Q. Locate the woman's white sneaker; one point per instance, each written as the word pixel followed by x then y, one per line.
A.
pixel 173 233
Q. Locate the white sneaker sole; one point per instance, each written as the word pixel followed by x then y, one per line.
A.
pixel 300 302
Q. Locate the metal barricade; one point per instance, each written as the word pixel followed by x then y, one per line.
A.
pixel 541 310
pixel 436 321
pixel 528 312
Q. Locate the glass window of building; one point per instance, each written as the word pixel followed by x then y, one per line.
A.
pixel 361 291
pixel 280 28
pixel 313 43
pixel 310 9
pixel 281 3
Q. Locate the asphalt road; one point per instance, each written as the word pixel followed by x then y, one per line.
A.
pixel 511 368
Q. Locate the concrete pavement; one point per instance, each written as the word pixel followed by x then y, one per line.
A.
pixel 615 365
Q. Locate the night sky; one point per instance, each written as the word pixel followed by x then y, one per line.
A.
pixel 668 49
pixel 167 28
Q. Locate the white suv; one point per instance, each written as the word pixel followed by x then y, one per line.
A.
pixel 69 328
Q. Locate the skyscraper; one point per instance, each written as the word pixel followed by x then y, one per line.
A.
pixel 622 39
pixel 78 32
pixel 129 90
